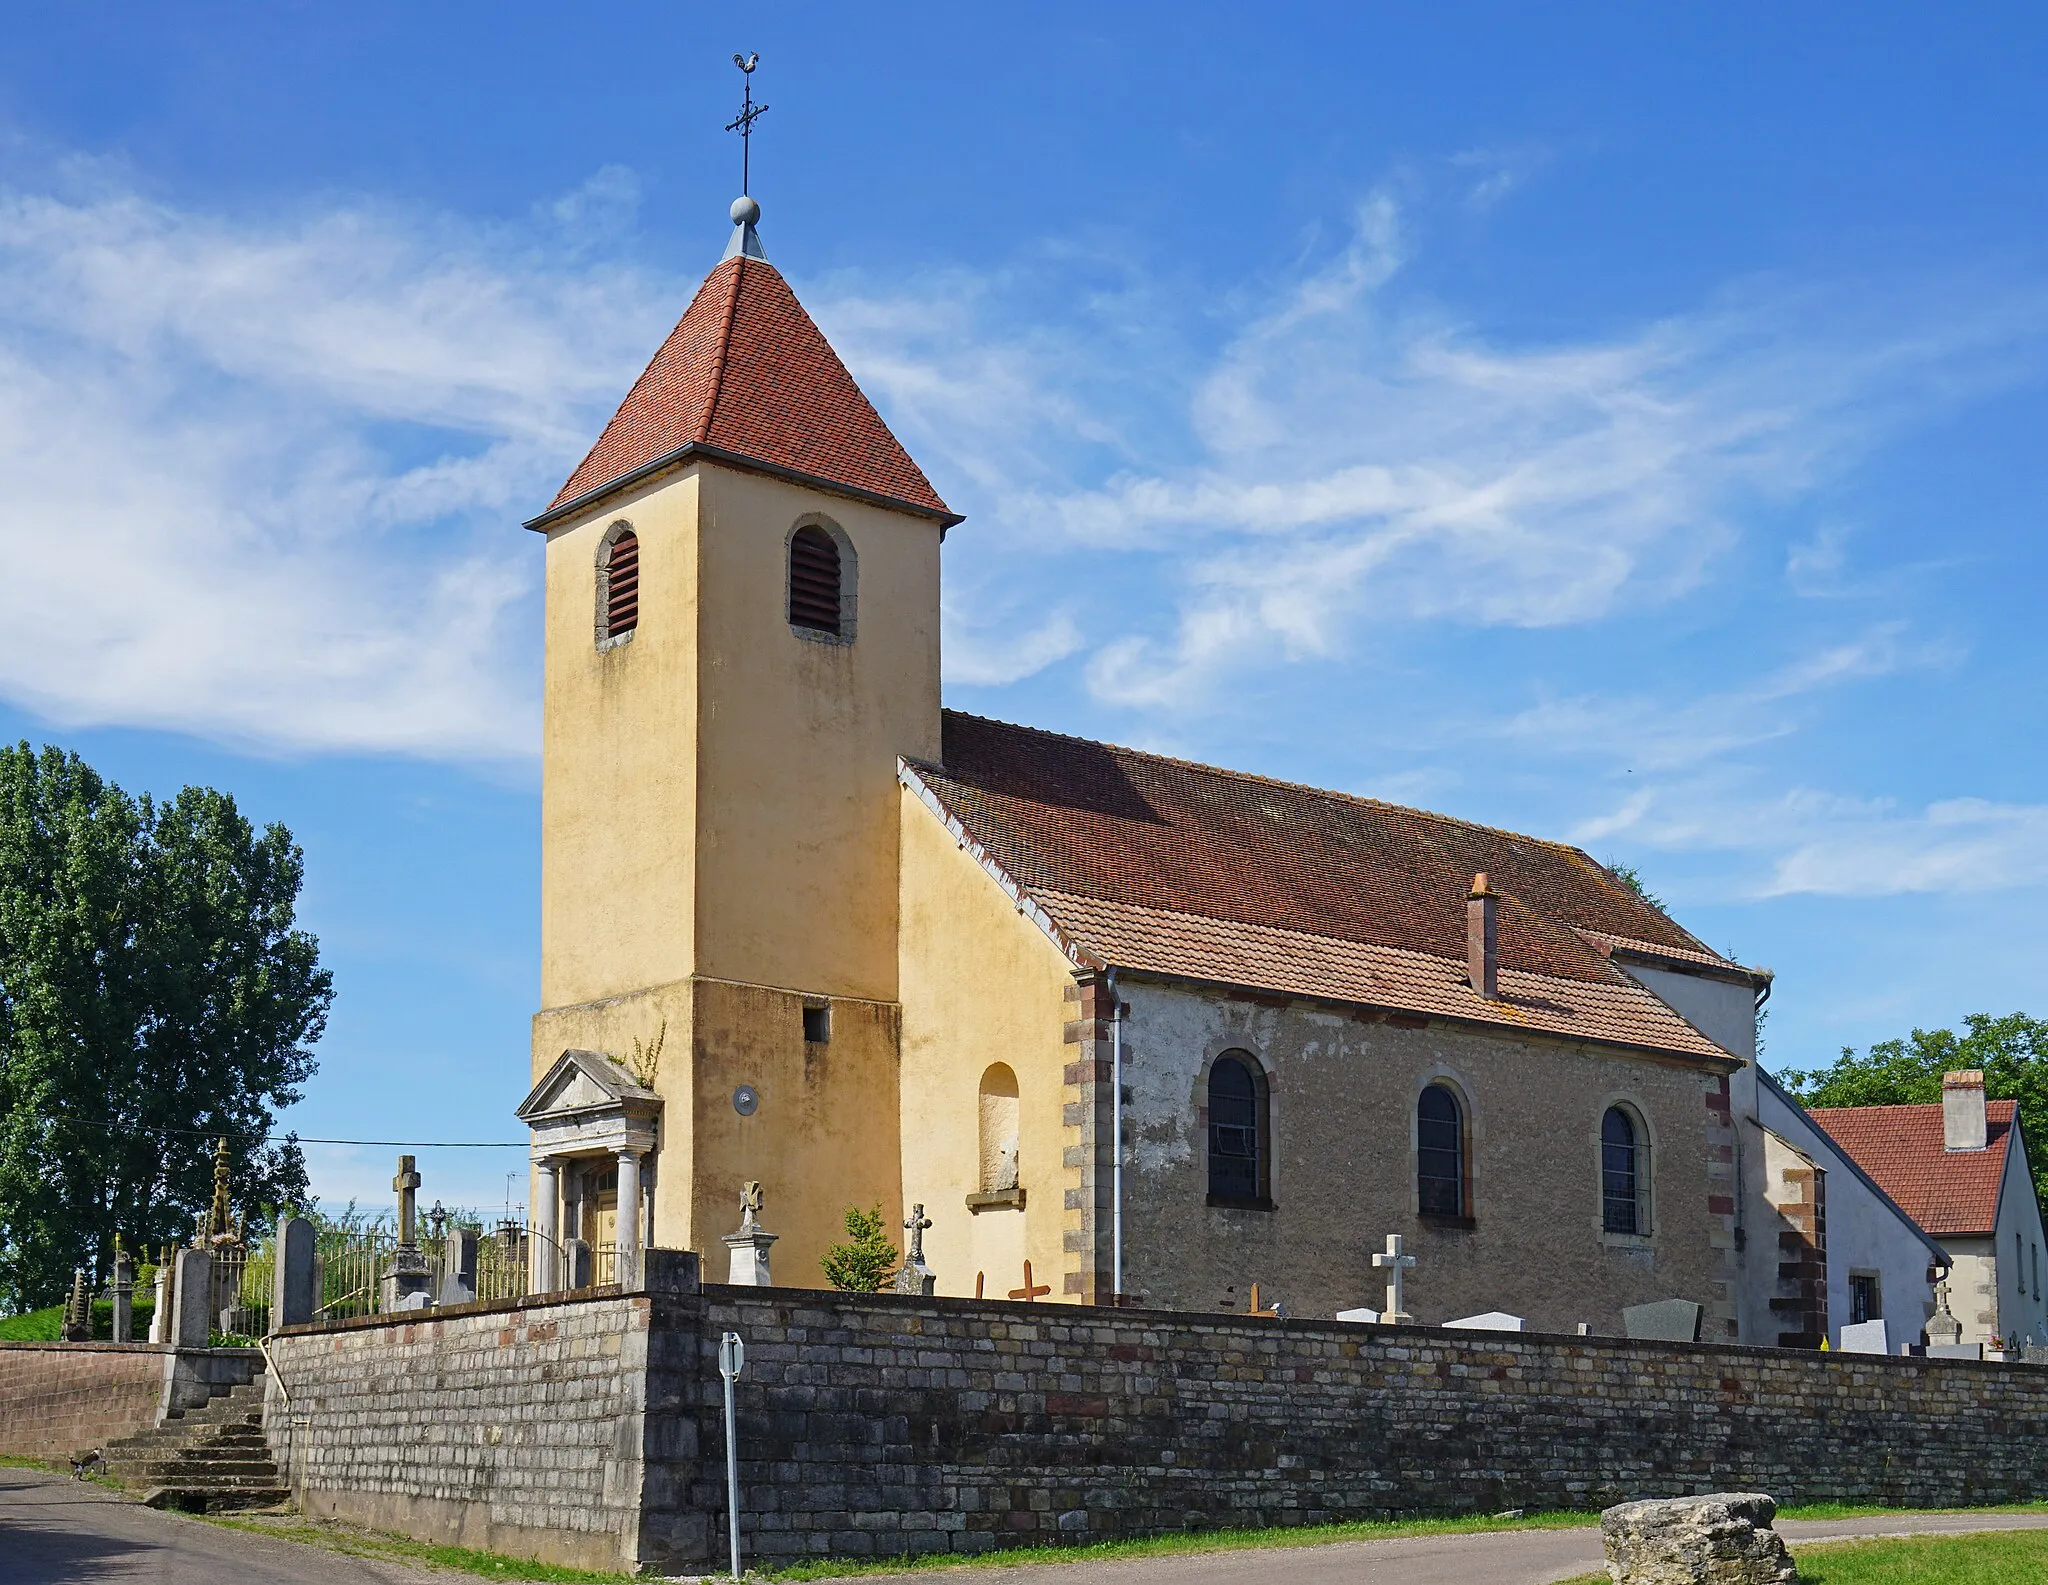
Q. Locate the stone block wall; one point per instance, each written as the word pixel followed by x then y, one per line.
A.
pixel 561 1428
pixel 57 1399
pixel 888 1424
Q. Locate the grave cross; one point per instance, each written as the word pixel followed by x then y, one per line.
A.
pixel 915 1224
pixel 1256 1309
pixel 1029 1291
pixel 750 1206
pixel 1394 1263
pixel 405 1183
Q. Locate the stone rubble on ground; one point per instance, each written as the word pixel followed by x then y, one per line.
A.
pixel 1723 1538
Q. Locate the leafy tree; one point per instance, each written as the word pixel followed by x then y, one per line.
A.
pixel 2012 1051
pixel 867 1259
pixel 154 995
pixel 1631 877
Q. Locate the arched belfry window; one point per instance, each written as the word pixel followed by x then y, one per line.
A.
pixel 1624 1173
pixel 1238 1150
pixel 999 1124
pixel 817 582
pixel 618 584
pixel 1440 1153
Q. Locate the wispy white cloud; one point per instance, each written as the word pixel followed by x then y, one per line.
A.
pixel 264 477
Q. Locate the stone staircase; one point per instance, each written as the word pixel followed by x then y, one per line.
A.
pixel 204 1460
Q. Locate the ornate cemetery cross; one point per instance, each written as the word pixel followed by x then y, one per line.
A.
pixel 1394 1263
pixel 915 1224
pixel 1029 1291
pixel 405 1183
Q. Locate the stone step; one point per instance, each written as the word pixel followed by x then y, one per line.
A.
pixel 159 1469
pixel 197 1499
pixel 209 1476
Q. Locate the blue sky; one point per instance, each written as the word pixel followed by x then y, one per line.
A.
pixel 1618 425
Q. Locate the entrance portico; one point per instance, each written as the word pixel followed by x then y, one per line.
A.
pixel 595 1132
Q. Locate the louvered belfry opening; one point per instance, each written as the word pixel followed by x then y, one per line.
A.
pixel 622 585
pixel 814 580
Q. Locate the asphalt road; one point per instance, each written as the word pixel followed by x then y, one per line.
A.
pixel 57 1531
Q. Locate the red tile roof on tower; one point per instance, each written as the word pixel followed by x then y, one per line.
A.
pixel 1146 863
pixel 747 377
pixel 1951 1193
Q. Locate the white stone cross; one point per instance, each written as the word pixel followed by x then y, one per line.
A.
pixel 1394 1263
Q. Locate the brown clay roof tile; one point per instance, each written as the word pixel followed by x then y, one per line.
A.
pixel 1148 862
pixel 1951 1193
pixel 747 373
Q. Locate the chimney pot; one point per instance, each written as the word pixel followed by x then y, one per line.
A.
pixel 1963 1126
pixel 1482 938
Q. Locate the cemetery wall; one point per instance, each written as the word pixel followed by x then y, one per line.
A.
pixel 558 1428
pixel 57 1399
pixel 885 1424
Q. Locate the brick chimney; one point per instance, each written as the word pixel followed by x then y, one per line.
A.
pixel 1482 938
pixel 1962 1110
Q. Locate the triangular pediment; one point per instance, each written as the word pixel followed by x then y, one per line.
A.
pixel 583 1081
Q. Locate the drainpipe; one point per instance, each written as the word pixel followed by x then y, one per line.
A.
pixel 1116 1138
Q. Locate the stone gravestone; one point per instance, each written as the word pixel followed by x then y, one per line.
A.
pixel 407 1274
pixel 1666 1321
pixel 294 1299
pixel 1723 1538
pixel 191 1299
pixel 1396 1265
pixel 577 1265
pixel 1865 1337
pixel 122 1292
pixel 748 1267
pixel 1491 1321
pixel 1943 1329
pixel 916 1277
pixel 160 1317
pixel 1360 1317
pixel 458 1266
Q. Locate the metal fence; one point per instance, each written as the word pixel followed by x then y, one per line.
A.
pixel 240 1303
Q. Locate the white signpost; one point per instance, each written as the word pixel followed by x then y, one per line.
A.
pixel 732 1359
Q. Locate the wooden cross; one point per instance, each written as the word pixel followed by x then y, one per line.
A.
pixel 1394 1263
pixel 1255 1310
pixel 1029 1292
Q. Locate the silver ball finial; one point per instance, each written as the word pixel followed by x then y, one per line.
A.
pixel 745 211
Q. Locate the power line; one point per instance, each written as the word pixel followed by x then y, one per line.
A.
pixel 214 1133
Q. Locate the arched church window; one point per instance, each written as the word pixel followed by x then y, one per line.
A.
pixel 1440 1153
pixel 816 587
pixel 618 584
pixel 999 1120
pixel 1237 1129
pixel 1622 1173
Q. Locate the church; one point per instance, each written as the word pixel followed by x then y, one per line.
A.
pixel 1130 1030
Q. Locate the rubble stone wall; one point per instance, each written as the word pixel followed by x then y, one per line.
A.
pixel 886 1424
pixel 58 1399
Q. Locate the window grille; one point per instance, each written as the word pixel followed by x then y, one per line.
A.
pixel 622 585
pixel 814 580
pixel 1233 1130
pixel 1620 1185
pixel 1440 1152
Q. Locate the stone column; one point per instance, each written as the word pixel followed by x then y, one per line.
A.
pixel 544 1255
pixel 192 1300
pixel 628 1274
pixel 160 1317
pixel 123 1293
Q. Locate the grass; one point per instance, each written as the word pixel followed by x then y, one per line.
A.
pixel 1994 1559
pixel 43 1326
pixel 336 1537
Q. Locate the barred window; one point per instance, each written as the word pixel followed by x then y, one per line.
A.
pixel 1440 1152
pixel 1621 1173
pixel 814 580
pixel 1237 1166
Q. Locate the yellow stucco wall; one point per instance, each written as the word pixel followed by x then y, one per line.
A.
pixel 796 770
pixel 719 832
pixel 980 984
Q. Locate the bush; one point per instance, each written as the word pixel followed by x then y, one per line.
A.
pixel 867 1260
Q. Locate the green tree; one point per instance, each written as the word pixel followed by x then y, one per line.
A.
pixel 2012 1051
pixel 154 994
pixel 867 1259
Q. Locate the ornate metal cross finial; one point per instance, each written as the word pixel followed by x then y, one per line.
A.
pixel 750 112
pixel 915 1223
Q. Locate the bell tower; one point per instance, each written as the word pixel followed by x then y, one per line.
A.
pixel 742 636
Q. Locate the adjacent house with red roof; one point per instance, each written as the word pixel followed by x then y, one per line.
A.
pixel 1960 1169
pixel 1122 1027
